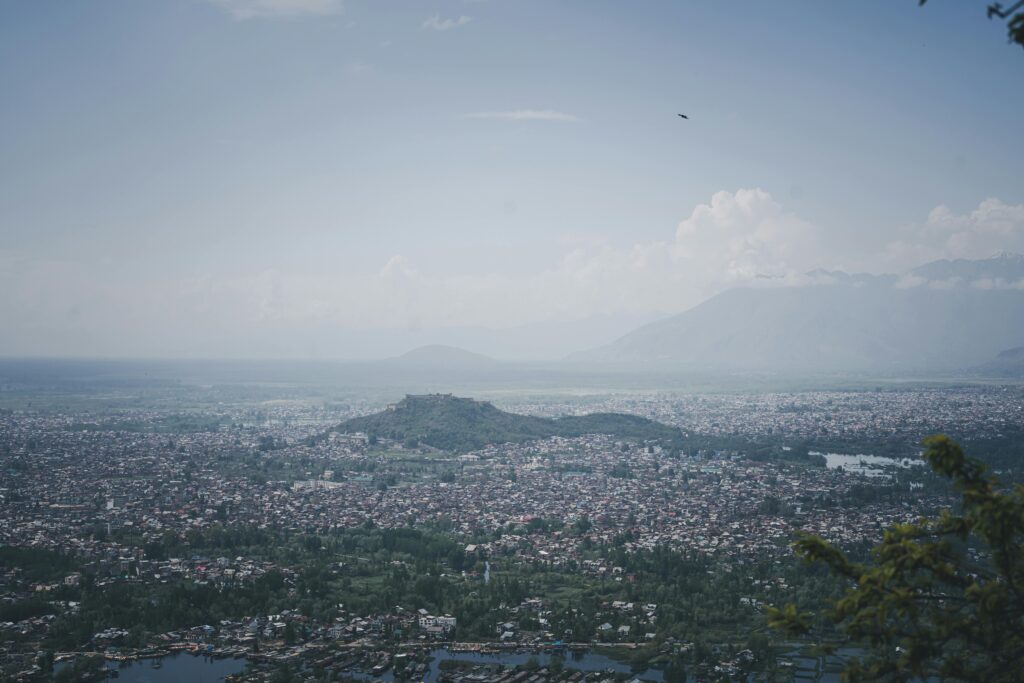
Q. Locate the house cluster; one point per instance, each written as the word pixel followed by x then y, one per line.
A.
pixel 116 492
pixel 906 414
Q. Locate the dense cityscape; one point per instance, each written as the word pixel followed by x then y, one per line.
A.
pixel 478 341
pixel 256 532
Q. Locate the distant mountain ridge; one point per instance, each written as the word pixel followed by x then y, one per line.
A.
pixel 443 356
pixel 941 316
pixel 460 424
pixel 1009 363
pixel 1004 266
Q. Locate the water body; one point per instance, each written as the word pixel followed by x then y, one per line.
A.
pixel 823 669
pixel 184 667
pixel 487 572
pixel 810 669
pixel 174 668
pixel 180 667
pixel 868 465
pixel 585 661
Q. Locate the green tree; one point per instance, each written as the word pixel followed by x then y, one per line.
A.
pixel 941 597
pixel 289 633
pixel 83 669
pixel 284 674
pixel 45 661
pixel 675 672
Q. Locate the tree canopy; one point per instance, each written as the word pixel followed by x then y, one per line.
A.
pixel 460 424
pixel 941 597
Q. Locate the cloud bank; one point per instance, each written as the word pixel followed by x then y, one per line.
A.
pixel 438 24
pixel 992 227
pixel 745 238
pixel 263 9
pixel 524 115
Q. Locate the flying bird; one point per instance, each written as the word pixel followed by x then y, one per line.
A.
pixel 685 116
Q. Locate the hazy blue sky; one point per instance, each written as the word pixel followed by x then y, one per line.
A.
pixel 343 179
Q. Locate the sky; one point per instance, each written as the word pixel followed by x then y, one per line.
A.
pixel 349 179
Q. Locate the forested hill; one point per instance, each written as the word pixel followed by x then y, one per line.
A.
pixel 462 424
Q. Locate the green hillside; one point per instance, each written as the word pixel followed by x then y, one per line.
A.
pixel 462 424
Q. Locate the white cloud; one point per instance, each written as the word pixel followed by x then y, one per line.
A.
pixel 357 67
pixel 997 283
pixel 257 9
pixel 737 238
pixel 438 24
pixel 398 267
pixel 909 281
pixel 992 227
pixel 524 115
pixel 740 236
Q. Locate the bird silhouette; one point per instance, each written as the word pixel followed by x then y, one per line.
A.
pixel 685 116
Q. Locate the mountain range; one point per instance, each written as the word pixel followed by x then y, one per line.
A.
pixel 442 357
pixel 1009 363
pixel 942 316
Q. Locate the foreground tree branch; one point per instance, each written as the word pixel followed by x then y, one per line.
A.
pixel 941 597
pixel 1013 15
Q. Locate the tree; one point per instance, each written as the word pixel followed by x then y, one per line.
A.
pixel 1014 16
pixel 289 634
pixel 675 672
pixel 83 669
pixel 941 597
pixel 45 661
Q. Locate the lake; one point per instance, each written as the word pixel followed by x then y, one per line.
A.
pixel 173 668
pixel 586 661
pixel 185 667
pixel 868 465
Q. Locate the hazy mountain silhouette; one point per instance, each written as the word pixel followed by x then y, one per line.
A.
pixel 1005 267
pixel 1009 363
pixel 440 356
pixel 941 316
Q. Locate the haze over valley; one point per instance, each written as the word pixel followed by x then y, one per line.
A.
pixel 511 341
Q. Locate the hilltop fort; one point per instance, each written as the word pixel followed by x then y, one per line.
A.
pixel 461 424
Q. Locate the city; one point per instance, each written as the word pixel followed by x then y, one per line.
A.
pixel 545 543
pixel 481 341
